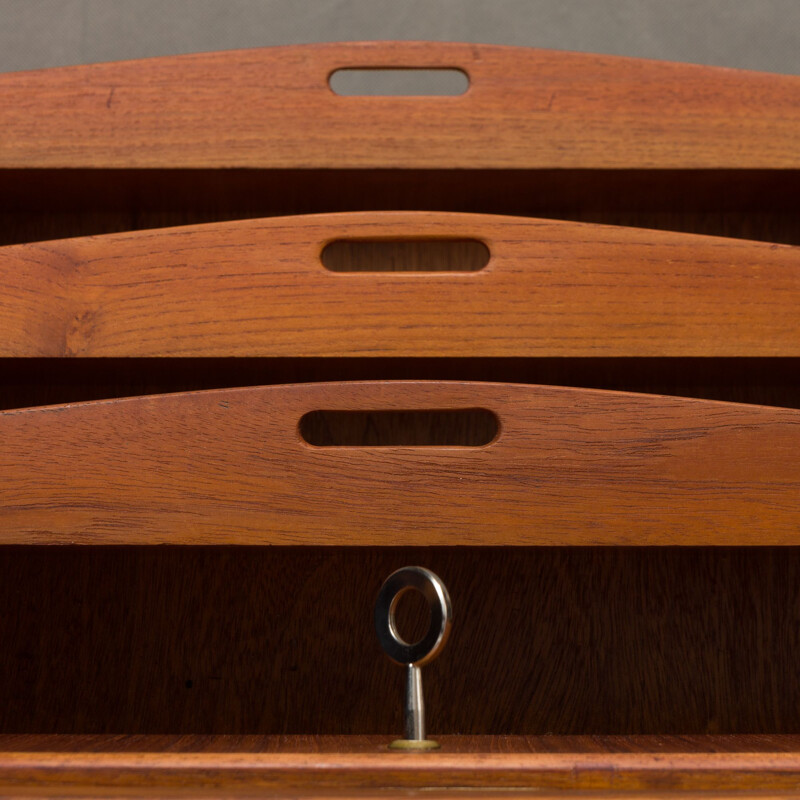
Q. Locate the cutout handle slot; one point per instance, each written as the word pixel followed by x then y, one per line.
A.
pixel 467 427
pixel 399 81
pixel 405 255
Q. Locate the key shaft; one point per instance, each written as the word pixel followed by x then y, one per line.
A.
pixel 415 704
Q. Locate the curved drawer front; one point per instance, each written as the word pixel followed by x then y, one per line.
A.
pixel 259 288
pixel 273 108
pixel 569 466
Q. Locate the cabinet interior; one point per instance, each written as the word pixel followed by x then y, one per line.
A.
pixel 248 641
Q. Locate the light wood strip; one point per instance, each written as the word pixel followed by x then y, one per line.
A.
pixel 382 770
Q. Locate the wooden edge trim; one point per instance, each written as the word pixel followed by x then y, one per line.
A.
pixel 620 772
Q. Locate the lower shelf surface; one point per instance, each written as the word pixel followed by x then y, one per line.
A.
pixel 362 766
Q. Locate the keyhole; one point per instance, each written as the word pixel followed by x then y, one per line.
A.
pixel 410 616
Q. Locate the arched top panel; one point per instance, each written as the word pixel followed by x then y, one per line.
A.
pixel 273 108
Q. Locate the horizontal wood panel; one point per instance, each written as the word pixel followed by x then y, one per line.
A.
pixel 569 466
pixel 258 288
pixel 268 774
pixel 525 108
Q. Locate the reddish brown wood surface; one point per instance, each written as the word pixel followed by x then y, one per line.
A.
pixel 525 108
pixel 366 766
pixel 569 466
pixel 258 288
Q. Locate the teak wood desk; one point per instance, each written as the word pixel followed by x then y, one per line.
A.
pixel 542 337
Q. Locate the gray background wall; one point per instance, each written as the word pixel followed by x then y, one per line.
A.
pixel 751 34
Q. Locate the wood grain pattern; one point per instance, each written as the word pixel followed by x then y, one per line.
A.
pixel 525 108
pixel 258 288
pixel 273 773
pixel 240 640
pixel 569 466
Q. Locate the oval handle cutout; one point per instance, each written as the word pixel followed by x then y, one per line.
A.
pixel 393 82
pixel 405 255
pixel 464 427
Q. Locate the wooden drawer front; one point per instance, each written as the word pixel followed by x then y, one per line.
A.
pixel 525 108
pixel 259 289
pixel 568 466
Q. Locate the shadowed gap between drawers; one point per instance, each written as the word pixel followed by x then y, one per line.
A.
pixel 47 381
pixel 45 204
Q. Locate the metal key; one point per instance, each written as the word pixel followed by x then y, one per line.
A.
pixel 413 656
